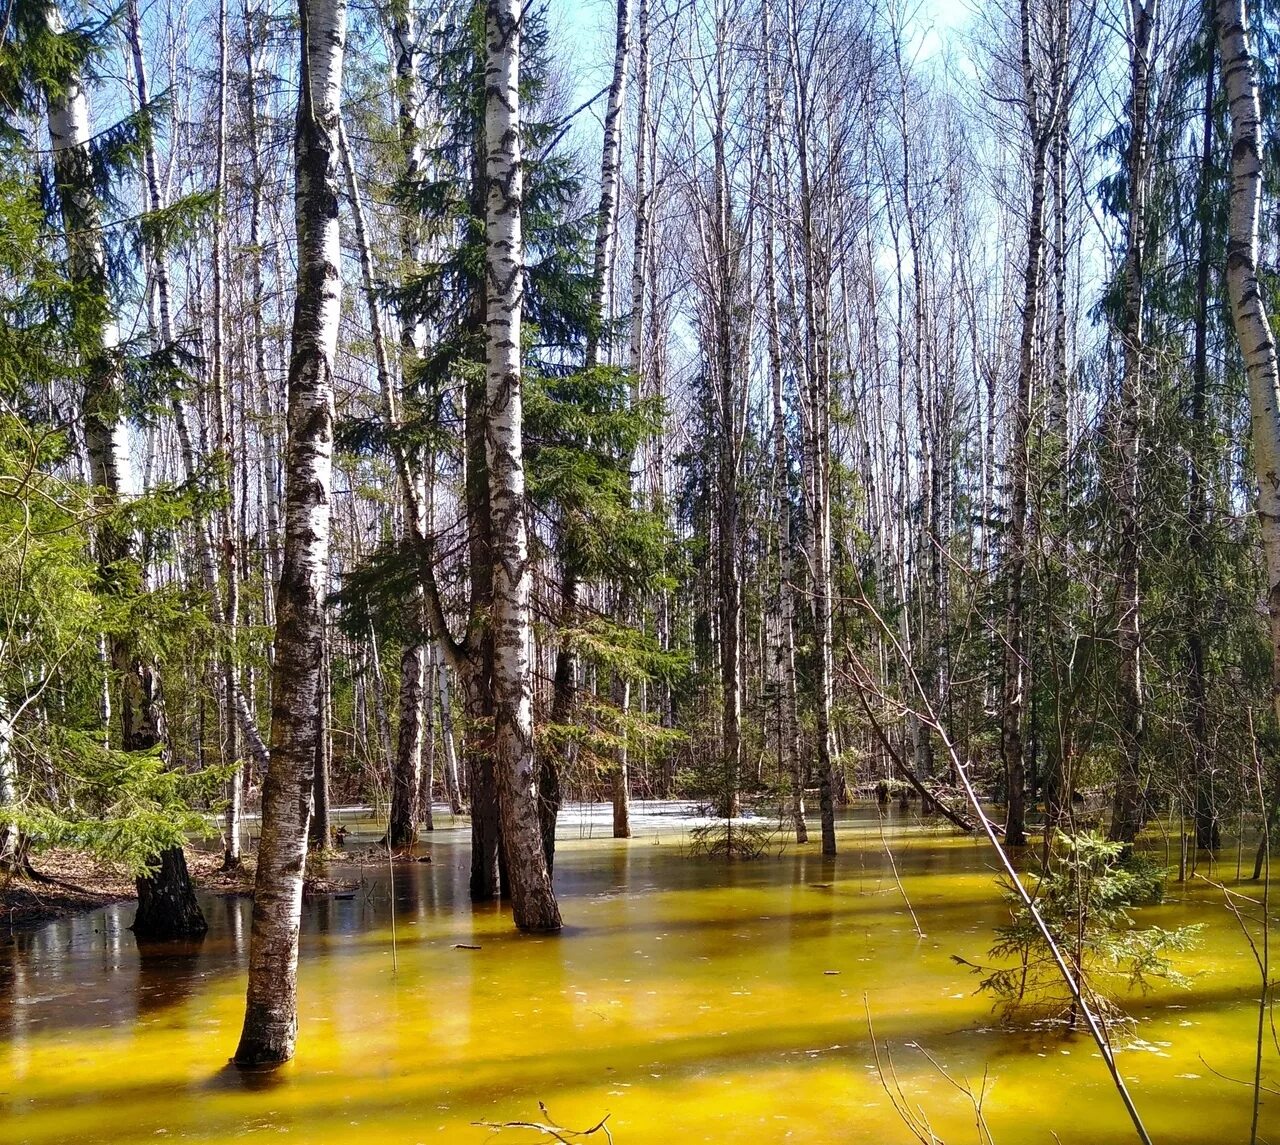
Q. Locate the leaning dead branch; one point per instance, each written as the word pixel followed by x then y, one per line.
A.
pixel 1079 989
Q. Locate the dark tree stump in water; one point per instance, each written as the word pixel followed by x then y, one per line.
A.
pixel 167 906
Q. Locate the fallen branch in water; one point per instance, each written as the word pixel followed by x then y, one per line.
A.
pixel 549 1128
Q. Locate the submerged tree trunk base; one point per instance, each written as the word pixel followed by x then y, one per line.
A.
pixel 621 806
pixel 268 1047
pixel 167 906
pixel 1208 833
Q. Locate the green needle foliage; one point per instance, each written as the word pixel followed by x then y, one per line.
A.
pixel 1086 896
pixel 55 601
pixel 582 427
pixel 123 807
pixel 63 597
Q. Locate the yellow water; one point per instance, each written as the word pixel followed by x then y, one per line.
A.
pixel 690 1000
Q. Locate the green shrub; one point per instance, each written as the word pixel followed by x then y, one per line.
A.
pixel 1084 895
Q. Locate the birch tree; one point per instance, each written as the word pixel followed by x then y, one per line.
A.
pixel 724 245
pixel 602 290
pixel 414 696
pixel 1208 831
pixel 1126 817
pixel 785 653
pixel 1044 29
pixel 815 243
pixel 225 453
pixel 532 898
pixel 270 1024
pixel 1248 303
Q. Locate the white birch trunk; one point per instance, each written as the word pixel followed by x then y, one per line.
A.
pixel 406 771
pixel 262 392
pixel 1248 308
pixel 381 714
pixel 602 290
pixel 607 212
pixel 270 1026
pixel 223 429
pixel 532 898
pixel 404 33
pixel 816 393
pixel 9 840
pixel 417 684
pixel 724 269
pixel 1043 96
pixel 643 208
pixel 406 763
pixel 449 744
pixel 105 431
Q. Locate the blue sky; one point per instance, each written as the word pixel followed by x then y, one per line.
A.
pixel 584 36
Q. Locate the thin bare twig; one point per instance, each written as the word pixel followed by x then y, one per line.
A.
pixel 550 1128
pixel 1247 1081
pixel 901 889
pixel 915 1119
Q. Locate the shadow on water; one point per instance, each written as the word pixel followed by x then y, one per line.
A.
pixel 168 973
pixel 232 1079
pixel 89 971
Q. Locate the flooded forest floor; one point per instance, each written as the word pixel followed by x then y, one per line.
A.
pixel 689 998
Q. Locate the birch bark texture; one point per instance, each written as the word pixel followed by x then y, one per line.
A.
pixel 10 837
pixel 1208 828
pixel 270 1023
pixel 448 743
pixel 607 212
pixel 220 400
pixel 105 436
pixel 602 289
pixel 532 899
pixel 1248 308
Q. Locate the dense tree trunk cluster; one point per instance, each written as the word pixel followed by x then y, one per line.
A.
pixel 858 423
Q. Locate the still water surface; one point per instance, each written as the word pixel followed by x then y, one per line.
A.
pixel 691 1000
